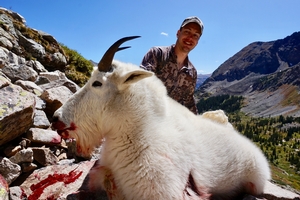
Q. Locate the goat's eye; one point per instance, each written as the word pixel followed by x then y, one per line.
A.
pixel 97 84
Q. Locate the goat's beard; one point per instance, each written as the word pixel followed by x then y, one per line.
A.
pixel 84 140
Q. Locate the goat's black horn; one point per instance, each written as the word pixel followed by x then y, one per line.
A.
pixel 105 63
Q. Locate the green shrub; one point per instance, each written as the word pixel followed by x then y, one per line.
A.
pixel 79 69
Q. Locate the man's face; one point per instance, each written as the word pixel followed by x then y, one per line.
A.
pixel 188 37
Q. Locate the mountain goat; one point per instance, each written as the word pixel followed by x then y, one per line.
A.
pixel 153 147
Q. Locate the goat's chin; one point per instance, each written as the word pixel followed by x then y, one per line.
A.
pixel 85 145
pixel 79 149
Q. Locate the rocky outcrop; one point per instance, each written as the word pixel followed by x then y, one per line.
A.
pixel 14 36
pixel 35 163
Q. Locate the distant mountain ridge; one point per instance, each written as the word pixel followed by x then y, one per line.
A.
pixel 201 78
pixel 265 73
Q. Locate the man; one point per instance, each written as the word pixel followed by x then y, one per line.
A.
pixel 171 64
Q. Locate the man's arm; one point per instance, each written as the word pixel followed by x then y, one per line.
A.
pixel 191 103
pixel 149 61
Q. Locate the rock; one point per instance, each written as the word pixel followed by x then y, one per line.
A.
pixel 24 155
pixel 40 119
pixel 66 161
pixel 28 167
pixel 44 156
pixel 57 181
pixel 4 41
pixel 62 156
pixel 43 136
pixel 8 23
pixel 15 15
pixel 47 36
pixel 17 193
pixel 4 80
pixel 56 79
pixel 30 87
pixel 53 76
pixel 8 57
pixel 19 72
pixel 55 97
pixel 16 112
pixel 40 103
pixel 273 191
pixel 57 61
pixel 36 65
pixel 12 150
pixel 3 53
pixel 42 80
pixel 24 143
pixel 3 189
pixel 61 82
pixel 15 60
pixel 36 49
pixel 9 170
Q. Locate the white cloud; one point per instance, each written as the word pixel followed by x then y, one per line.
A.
pixel 165 34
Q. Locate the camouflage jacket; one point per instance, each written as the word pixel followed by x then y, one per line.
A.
pixel 181 83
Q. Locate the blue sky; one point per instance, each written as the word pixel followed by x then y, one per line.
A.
pixel 91 26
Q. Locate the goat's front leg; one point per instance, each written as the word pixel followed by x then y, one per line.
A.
pixel 194 192
pixel 101 177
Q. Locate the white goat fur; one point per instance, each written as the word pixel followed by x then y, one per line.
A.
pixel 217 116
pixel 152 143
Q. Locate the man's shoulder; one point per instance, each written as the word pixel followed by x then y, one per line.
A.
pixel 162 48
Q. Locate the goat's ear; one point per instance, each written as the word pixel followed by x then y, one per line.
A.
pixel 135 76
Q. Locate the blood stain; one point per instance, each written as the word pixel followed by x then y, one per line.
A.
pixel 50 180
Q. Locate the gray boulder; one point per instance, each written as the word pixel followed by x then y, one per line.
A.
pixel 16 112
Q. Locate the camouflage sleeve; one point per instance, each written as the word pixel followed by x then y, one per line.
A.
pixel 192 105
pixel 190 101
pixel 149 61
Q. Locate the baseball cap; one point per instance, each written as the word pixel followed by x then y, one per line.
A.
pixel 195 20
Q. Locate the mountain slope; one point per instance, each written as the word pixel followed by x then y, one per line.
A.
pixel 201 78
pixel 265 73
